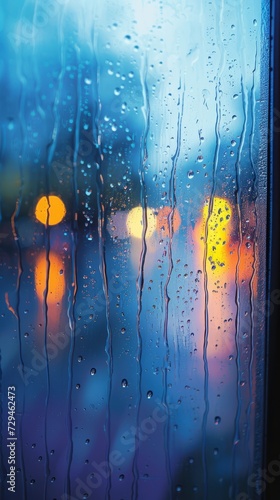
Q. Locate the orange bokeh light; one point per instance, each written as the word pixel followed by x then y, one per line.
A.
pixel 163 220
pixel 55 285
pixel 50 210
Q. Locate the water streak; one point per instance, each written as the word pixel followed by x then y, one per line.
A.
pixel 237 285
pixel 254 264
pixel 140 277
pixel 206 291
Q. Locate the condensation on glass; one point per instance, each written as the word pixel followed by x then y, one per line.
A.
pixel 133 214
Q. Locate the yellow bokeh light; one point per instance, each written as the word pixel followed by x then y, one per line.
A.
pixel 134 222
pixel 218 233
pixel 50 210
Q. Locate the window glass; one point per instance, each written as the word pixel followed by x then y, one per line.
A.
pixel 133 220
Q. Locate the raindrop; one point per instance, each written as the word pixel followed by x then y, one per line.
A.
pixel 191 174
pixel 88 191
pixel 117 91
pixel 26 334
pixel 32 481
pixel 123 330
pixel 121 477
pixel 87 81
pixel 217 420
pixel 149 394
pixel 216 451
pixel 80 358
pixel 78 386
pixel 179 488
pixel 52 479
pixel 87 441
pixel 93 371
pixel 200 158
pixel 124 383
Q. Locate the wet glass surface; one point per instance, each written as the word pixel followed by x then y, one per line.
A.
pixel 132 221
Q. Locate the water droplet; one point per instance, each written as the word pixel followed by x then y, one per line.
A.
pixel 216 451
pixel 191 174
pixel 26 334
pixel 87 81
pixel 40 459
pixel 32 481
pixel 117 91
pixel 191 460
pixel 149 394
pixel 78 386
pixel 87 441
pixel 88 191
pixel 217 420
pixel 233 143
pixel 124 383
pixel 93 371
pixel 200 158
pixel 179 488
pixel 80 359
pixel 123 330
pixel 121 477
pixel 255 22
pixel 52 479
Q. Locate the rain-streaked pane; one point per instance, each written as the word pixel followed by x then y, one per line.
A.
pixel 132 263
